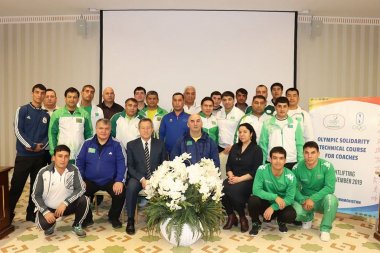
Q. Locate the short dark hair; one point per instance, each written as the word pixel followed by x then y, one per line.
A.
pixel 282 100
pixel 131 99
pixel 71 90
pixel 104 121
pixel 88 86
pixel 292 89
pixel 251 130
pixel 311 144
pixel 279 150
pixel 215 93
pixel 242 91
pixel 60 148
pixel 145 120
pixel 228 94
pixel 55 94
pixel 259 97
pixel 152 93
pixel 178 94
pixel 207 99
pixel 278 85
pixel 39 86
pixel 139 88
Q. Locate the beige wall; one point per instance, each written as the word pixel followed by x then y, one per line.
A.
pixel 344 60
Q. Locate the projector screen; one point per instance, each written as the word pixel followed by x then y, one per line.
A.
pixel 166 50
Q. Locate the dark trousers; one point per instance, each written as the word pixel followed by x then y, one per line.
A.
pixel 257 206
pixel 24 166
pixel 132 192
pixel 80 207
pixel 117 200
pixel 236 196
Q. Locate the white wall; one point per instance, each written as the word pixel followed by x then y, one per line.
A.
pixel 343 61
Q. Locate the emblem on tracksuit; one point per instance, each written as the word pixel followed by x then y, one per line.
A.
pixel 44 120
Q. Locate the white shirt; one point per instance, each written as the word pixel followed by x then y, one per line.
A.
pixel 227 125
pixel 57 190
pixel 303 117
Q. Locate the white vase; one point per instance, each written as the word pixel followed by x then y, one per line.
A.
pixel 187 236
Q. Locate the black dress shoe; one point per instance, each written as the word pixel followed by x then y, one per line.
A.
pixel 31 217
pixel 130 227
pixel 115 223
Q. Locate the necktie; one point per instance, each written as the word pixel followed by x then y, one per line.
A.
pixel 147 159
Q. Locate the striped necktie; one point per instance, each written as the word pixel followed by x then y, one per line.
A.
pixel 147 159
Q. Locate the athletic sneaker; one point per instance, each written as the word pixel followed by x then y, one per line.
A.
pixel 282 227
pixel 256 227
pixel 325 236
pixel 50 230
pixel 79 231
pixel 307 224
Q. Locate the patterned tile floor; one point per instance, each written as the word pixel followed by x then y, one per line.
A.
pixel 348 235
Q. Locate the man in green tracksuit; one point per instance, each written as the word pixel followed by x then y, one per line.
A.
pixel 69 125
pixel 210 123
pixel 153 112
pixel 315 191
pixel 273 193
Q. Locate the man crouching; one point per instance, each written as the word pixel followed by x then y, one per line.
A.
pixel 58 191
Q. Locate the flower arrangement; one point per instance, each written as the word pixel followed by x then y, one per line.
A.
pixel 185 195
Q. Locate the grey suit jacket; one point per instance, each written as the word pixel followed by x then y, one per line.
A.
pixel 136 157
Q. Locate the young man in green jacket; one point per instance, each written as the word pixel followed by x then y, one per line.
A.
pixel 315 192
pixel 273 193
pixel 69 125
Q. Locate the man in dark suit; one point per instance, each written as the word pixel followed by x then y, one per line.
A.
pixel 144 154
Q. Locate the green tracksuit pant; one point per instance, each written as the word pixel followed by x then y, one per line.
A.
pixel 327 206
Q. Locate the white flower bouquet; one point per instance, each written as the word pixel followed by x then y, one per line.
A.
pixel 185 195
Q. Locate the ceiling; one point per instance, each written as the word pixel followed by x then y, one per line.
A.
pixel 344 8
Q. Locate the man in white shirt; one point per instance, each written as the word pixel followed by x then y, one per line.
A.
pixel 125 123
pixel 189 98
pixel 95 112
pixel 228 119
pixel 297 113
pixel 256 118
pixel 59 191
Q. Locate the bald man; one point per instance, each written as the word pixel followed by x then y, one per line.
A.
pixel 108 105
pixel 196 142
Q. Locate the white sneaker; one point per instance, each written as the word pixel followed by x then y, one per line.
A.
pixel 307 224
pixel 325 236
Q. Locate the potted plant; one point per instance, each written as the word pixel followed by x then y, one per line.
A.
pixel 185 199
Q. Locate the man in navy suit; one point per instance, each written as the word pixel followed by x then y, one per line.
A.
pixel 144 154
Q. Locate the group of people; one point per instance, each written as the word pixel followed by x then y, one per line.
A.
pixel 74 151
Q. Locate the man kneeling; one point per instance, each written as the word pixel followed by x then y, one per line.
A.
pixel 316 186
pixel 274 188
pixel 58 191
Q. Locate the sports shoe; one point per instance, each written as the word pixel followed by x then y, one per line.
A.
pixel 87 223
pixel 79 231
pixel 256 227
pixel 282 227
pixel 49 231
pixel 307 224
pixel 325 236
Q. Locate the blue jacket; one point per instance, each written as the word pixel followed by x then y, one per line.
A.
pixel 101 168
pixel 31 127
pixel 205 147
pixel 172 128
